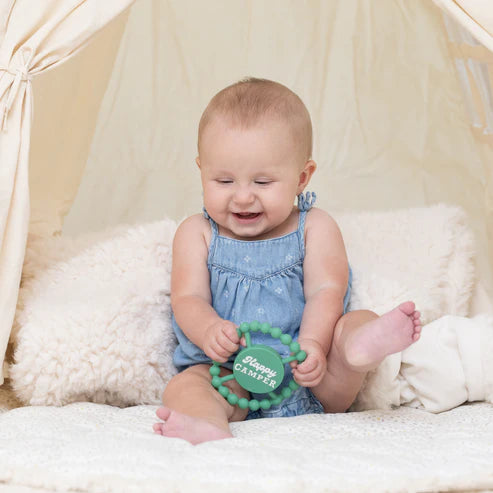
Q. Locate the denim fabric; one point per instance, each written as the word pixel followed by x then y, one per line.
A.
pixel 300 402
pixel 258 280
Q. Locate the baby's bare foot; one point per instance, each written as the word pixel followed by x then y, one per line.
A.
pixel 194 430
pixel 394 331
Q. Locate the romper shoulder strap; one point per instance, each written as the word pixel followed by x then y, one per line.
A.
pixel 212 244
pixel 212 223
pixel 305 203
pixel 301 232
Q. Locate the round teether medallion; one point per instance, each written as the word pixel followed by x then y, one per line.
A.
pixel 259 369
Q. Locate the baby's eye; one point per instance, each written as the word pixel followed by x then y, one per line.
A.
pixel 262 182
pixel 225 181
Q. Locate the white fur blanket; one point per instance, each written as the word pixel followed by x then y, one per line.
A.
pixel 92 324
pixel 93 314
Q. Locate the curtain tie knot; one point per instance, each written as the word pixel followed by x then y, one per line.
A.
pixel 20 75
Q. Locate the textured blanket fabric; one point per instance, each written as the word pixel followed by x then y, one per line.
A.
pixel 449 365
pixel 93 315
pixel 96 448
pixel 93 324
pixel 452 363
pixel 93 318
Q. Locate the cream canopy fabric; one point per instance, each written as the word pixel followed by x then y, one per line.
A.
pixel 36 36
pixel 475 15
pixel 380 79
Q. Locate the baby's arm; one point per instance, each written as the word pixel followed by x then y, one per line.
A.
pixel 191 296
pixel 325 271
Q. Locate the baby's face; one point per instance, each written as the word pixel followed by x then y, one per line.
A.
pixel 250 177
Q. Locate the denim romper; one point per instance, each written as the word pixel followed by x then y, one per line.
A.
pixel 259 280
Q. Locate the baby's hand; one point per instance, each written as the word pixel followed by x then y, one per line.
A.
pixel 311 371
pixel 221 340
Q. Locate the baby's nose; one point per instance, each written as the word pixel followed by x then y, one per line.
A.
pixel 244 196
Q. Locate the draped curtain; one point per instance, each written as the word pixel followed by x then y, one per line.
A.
pixel 474 15
pixel 34 37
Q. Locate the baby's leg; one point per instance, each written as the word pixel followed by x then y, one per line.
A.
pixel 361 341
pixel 194 410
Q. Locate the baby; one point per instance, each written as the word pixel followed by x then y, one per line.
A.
pixel 251 256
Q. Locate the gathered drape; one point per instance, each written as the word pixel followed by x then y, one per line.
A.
pixel 33 39
pixel 474 15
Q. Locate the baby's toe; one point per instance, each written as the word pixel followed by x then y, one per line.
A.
pixel 158 428
pixel 163 413
pixel 407 307
pixel 416 336
pixel 416 315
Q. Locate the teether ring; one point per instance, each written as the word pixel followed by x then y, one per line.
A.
pixel 258 368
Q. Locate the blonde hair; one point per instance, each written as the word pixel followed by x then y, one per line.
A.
pixel 245 102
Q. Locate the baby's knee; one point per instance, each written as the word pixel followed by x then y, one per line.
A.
pixel 186 380
pixel 348 322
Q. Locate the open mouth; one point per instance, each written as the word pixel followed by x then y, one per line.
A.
pixel 246 217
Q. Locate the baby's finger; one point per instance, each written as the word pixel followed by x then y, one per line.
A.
pixel 215 356
pixel 227 345
pixel 308 365
pixel 221 353
pixel 310 380
pixel 232 335
pixel 299 378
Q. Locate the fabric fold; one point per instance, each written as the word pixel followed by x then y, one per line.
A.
pixel 449 365
pixel 35 39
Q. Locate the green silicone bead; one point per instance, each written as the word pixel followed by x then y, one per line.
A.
pixel 286 392
pixel 216 381
pixel 294 347
pixel 265 328
pixel 301 356
pixel 254 326
pixel 276 401
pixel 245 327
pixel 243 403
pixel 276 332
pixel 233 399
pixel 214 370
pixel 293 385
pixel 254 404
pixel 265 404
pixel 224 391
pixel 286 339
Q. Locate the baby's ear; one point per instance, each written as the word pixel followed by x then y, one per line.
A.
pixel 306 175
pixel 197 160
